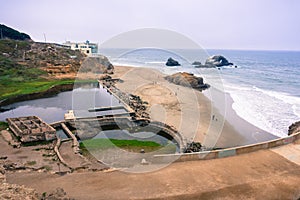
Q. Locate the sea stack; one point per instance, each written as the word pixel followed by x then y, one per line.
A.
pixel 172 62
pixel 217 61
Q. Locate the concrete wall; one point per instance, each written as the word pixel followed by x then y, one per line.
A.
pixel 206 155
pixel 226 152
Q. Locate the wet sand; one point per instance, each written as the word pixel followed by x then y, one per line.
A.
pixel 251 133
pixel 188 110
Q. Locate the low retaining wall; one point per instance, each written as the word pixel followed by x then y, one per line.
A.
pixel 204 155
pixel 127 122
pixel 56 150
pixel 222 153
pixel 57 124
pixel 75 144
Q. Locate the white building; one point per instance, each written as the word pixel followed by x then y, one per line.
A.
pixel 85 47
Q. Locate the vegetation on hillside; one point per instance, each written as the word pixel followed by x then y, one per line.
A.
pixel 27 67
pixel 7 32
pixel 22 66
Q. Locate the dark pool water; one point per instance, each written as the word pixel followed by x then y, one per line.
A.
pixel 52 109
pixel 60 133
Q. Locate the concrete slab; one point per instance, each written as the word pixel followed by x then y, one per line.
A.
pixel 290 152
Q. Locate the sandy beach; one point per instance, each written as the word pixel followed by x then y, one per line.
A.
pixel 186 109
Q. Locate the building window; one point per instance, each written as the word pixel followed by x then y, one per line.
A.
pixel 87 51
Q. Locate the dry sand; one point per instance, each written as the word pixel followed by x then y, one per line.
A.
pixel 186 109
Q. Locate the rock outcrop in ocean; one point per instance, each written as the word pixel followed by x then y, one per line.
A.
pixel 172 62
pixel 215 61
pixel 218 61
pixel 187 80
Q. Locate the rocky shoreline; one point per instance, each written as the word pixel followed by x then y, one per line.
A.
pixel 135 102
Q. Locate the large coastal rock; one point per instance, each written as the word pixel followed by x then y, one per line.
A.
pixel 217 61
pixel 187 80
pixel 172 62
pixel 99 65
pixel 294 128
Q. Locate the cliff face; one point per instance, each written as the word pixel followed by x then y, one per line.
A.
pixel 54 59
pixel 17 58
pixel 21 59
pixel 47 60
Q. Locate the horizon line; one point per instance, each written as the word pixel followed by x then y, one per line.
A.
pixel 226 49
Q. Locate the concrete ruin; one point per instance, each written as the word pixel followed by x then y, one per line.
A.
pixel 31 129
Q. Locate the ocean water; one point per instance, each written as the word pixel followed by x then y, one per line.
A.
pixel 265 85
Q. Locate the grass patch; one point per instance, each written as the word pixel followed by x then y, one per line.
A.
pixel 14 88
pixel 109 143
pixel 9 89
pixel 129 145
pixel 3 125
pixel 91 145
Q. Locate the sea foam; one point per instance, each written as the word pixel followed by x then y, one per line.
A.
pixel 269 110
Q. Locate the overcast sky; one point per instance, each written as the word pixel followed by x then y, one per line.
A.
pixel 213 24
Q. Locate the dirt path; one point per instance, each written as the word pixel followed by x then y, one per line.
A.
pixel 259 175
